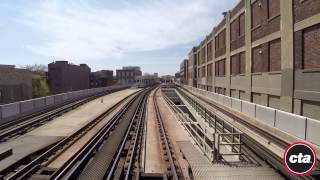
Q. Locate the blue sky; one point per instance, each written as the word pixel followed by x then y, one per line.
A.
pixel 106 34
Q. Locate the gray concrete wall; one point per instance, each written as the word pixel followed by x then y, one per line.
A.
pixel 296 126
pixel 19 109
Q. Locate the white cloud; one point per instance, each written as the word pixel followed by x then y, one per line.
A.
pixel 83 30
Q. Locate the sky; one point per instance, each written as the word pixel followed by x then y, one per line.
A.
pixel 106 34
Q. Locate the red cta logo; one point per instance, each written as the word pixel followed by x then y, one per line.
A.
pixel 300 158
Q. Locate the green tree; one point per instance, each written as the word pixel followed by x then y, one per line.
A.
pixel 40 86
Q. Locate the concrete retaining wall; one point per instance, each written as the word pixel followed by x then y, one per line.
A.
pixel 236 104
pixel 248 108
pixel 302 127
pixel 313 131
pixel 49 100
pixel 58 99
pixel 26 106
pixel 265 114
pixel 227 101
pixel 19 109
pixel 292 124
pixel 220 98
pixel 9 110
pixel 39 103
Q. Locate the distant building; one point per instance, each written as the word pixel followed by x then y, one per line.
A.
pixel 177 75
pixel 147 80
pixel 15 84
pixel 64 77
pixel 168 78
pixel 156 74
pixel 192 68
pixel 101 78
pixel 184 71
pixel 127 74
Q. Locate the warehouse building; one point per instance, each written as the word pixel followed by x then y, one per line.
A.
pixel 65 77
pixel 127 74
pixel 266 52
pixel 15 84
pixel 101 78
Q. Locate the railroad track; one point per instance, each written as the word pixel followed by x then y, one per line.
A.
pixel 173 170
pixel 20 126
pixel 251 143
pixel 32 164
pixel 111 153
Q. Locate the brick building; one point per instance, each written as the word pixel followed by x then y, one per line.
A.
pixel 266 52
pixel 192 68
pixel 15 84
pixel 127 74
pixel 64 77
pixel 101 78
pixel 184 71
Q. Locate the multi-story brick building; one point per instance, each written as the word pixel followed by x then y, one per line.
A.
pixel 266 52
pixel 192 67
pixel 127 74
pixel 184 71
pixel 15 84
pixel 64 77
pixel 101 78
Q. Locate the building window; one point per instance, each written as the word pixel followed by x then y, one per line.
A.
pixel 257 13
pixel 273 8
pixel 238 64
pixel 216 43
pixel 209 70
pixel 242 62
pixel 275 55
pixel 209 51
pixel 220 68
pixel 203 71
pixel 235 64
pixel 203 55
pixel 237 28
pixel 220 90
pixel 259 62
pixel 234 30
pixel 222 41
pixel 241 25
pixel 311 50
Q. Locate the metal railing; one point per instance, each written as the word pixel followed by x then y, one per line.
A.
pixel 224 133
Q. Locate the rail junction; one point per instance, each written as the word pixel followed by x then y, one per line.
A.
pixel 159 132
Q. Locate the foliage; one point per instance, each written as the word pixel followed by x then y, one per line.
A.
pixel 40 86
pixel 36 68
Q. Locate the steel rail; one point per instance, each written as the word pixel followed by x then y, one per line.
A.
pixel 141 106
pixel 173 169
pixel 77 163
pixel 24 124
pixel 35 164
